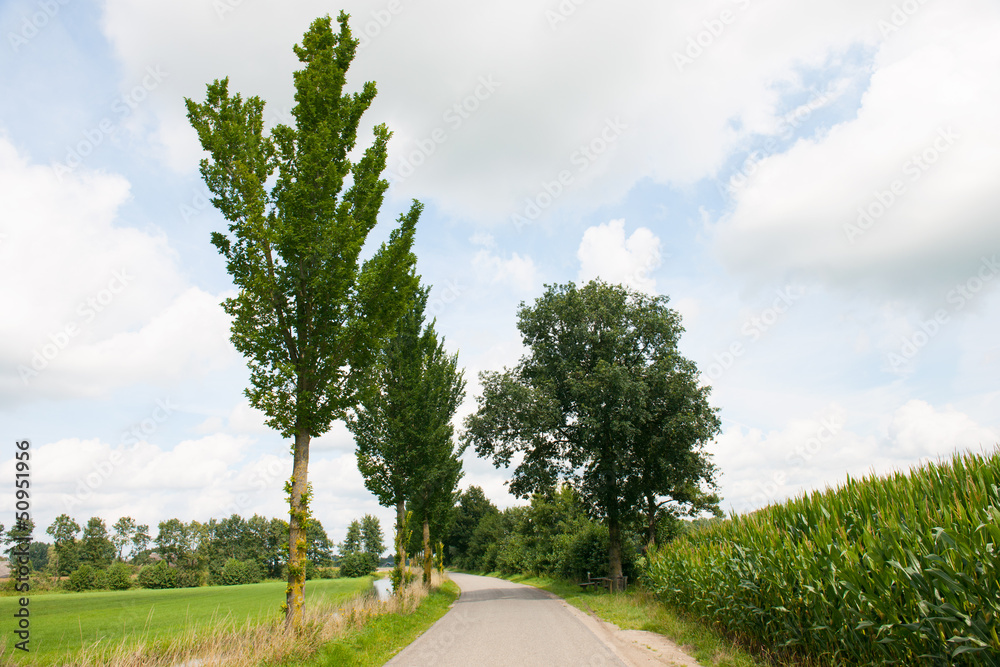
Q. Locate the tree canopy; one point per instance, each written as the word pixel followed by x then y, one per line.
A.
pixel 603 401
pixel 402 427
pixel 308 313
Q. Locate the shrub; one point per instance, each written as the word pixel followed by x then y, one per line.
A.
pixel 100 581
pixel 191 577
pixel 357 565
pixel 119 577
pixel 237 572
pixel 159 575
pixel 84 578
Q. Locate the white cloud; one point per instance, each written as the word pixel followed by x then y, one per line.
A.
pixel 517 271
pixel 821 451
pixel 98 305
pixel 676 124
pixel 919 431
pixel 902 198
pixel 605 253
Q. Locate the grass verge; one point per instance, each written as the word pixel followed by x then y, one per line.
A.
pixel 640 610
pixel 382 637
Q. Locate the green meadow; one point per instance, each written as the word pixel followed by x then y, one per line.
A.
pixel 63 623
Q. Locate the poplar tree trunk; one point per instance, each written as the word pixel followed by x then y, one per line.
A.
pixel 428 557
pixel 298 516
pixel 400 564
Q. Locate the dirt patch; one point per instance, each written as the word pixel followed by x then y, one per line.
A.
pixel 636 648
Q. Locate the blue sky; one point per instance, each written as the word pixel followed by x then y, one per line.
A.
pixel 813 188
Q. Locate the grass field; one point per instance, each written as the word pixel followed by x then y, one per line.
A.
pixel 65 623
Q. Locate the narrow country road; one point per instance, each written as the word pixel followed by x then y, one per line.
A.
pixel 500 623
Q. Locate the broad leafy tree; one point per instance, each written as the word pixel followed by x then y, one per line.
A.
pixel 64 531
pixel 173 541
pixel 403 429
pixel 320 549
pixel 352 540
pixel 602 400
pixel 470 509
pixel 124 532
pixel 372 537
pixel 21 532
pixel 96 547
pixel 308 313
pixel 140 544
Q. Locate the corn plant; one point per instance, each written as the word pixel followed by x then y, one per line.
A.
pixel 901 570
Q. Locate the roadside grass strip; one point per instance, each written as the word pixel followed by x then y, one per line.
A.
pixel 381 637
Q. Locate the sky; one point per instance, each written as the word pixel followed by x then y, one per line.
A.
pixel 813 186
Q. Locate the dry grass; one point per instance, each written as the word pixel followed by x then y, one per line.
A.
pixel 247 645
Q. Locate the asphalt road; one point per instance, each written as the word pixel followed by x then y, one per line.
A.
pixel 500 623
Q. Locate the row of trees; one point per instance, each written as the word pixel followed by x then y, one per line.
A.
pixel 309 316
pixel 554 534
pixel 602 401
pixel 404 433
pixel 202 549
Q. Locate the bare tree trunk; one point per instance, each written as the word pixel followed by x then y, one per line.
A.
pixel 650 523
pixel 614 553
pixel 298 517
pixel 428 557
pixel 400 565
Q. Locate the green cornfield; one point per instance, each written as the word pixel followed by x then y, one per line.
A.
pixel 899 570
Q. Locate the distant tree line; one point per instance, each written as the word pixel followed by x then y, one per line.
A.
pixel 552 535
pixel 230 551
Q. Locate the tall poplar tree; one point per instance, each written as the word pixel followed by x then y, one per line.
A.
pixel 403 428
pixel 308 314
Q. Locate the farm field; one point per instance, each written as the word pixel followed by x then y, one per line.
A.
pixel 65 623
pixel 900 569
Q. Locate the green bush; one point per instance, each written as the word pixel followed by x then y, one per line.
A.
pixel 585 552
pixel 86 578
pixel 236 572
pixel 901 570
pixel 191 577
pixel 159 575
pixel 119 577
pixel 357 565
